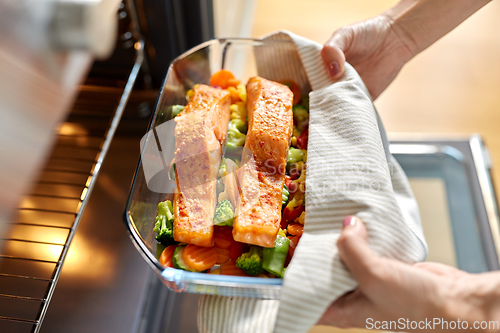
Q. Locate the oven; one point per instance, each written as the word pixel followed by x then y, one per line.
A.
pixel 66 231
pixel 67 263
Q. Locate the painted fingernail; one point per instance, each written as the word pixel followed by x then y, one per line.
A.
pixel 350 220
pixel 334 69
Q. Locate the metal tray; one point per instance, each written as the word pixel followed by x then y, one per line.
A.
pixel 151 183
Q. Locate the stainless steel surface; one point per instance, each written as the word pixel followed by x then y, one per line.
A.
pixel 62 191
pixel 482 163
pixel 85 26
pixel 471 201
pixel 104 281
pixel 37 86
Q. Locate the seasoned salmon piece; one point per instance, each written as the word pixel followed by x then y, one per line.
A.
pixel 200 132
pixel 262 175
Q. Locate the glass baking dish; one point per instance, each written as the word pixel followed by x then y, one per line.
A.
pixel 245 58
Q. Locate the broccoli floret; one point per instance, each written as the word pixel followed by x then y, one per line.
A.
pixel 294 155
pixel 222 169
pixel 224 213
pixel 176 109
pixel 238 125
pixel 251 262
pixel 236 134
pixel 285 194
pixel 164 223
pixel 300 117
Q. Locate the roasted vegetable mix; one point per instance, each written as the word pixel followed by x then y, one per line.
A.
pixel 222 254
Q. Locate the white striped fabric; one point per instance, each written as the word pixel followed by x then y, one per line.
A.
pixel 347 174
pixel 221 314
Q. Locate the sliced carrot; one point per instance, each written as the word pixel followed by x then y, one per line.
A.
pixel 295 229
pixel 294 240
pixel 223 255
pixel 166 256
pixel 225 230
pixel 223 238
pixel 222 243
pixel 235 96
pixel 230 269
pixel 237 250
pixel 198 257
pixel 294 87
pixel 233 82
pixel 221 78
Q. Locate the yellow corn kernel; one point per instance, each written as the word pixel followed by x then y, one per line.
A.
pixel 299 166
pixel 242 92
pixel 302 177
pixel 239 111
pixel 189 94
pixel 300 182
pixel 215 271
pixel 301 218
pixel 234 111
pixel 294 141
pixel 296 201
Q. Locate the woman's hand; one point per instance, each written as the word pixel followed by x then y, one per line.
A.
pixel 376 48
pixel 389 289
pixel 379 47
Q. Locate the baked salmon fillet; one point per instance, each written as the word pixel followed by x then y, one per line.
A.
pixel 262 175
pixel 200 133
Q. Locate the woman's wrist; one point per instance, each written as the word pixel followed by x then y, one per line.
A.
pixel 420 23
pixel 474 298
pixel 407 48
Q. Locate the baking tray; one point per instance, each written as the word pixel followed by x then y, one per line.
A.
pixel 151 185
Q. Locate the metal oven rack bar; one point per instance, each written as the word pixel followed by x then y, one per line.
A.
pixel 40 236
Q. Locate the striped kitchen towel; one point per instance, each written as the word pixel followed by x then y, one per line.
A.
pixel 349 172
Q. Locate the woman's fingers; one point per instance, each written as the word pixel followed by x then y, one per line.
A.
pixel 355 252
pixel 333 54
pixel 350 310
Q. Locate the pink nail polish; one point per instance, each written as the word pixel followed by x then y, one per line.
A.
pixel 334 69
pixel 350 220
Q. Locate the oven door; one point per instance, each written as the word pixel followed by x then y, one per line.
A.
pixel 80 270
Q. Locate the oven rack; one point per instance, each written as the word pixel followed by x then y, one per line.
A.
pixel 35 248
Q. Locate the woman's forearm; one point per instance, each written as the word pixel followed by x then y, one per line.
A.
pixel 475 298
pixel 422 22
